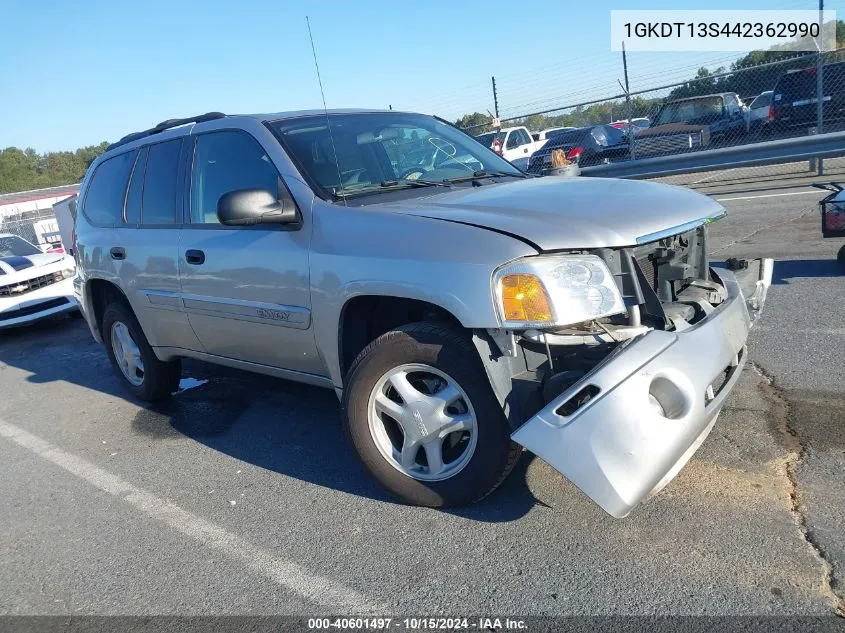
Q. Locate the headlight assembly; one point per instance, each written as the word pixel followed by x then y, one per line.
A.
pixel 555 290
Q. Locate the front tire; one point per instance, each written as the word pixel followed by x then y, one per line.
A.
pixel 134 361
pixel 420 413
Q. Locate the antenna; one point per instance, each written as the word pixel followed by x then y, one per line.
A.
pixel 325 109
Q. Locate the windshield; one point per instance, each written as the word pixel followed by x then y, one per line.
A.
pixel 14 246
pixel 761 101
pixel 487 139
pixel 691 111
pixel 379 152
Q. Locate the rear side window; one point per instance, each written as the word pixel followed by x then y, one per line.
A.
pixel 104 200
pixel 132 212
pixel 801 85
pixel 159 200
pixel 797 86
pixel 607 135
pixel 761 101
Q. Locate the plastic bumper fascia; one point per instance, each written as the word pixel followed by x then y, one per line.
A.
pixel 616 448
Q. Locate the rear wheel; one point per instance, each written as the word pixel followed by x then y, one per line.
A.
pixel 142 373
pixel 422 417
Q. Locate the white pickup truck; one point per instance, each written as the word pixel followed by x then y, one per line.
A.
pixel 510 143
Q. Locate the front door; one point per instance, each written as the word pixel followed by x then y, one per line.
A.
pixel 245 289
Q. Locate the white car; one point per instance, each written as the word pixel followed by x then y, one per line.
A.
pixel 757 113
pixel 33 285
pixel 510 143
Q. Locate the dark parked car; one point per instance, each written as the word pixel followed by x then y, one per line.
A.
pixel 794 99
pixel 693 123
pixel 583 146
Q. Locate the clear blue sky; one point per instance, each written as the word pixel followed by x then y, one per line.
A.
pixel 76 73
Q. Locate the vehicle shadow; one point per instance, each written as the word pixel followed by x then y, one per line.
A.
pixel 294 430
pixel 281 426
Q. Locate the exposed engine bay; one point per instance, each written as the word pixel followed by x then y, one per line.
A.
pixel 666 284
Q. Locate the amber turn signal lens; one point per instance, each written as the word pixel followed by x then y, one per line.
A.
pixel 524 299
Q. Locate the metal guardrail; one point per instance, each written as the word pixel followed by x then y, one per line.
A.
pixel 753 155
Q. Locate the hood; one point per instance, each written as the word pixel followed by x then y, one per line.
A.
pixel 14 264
pixel 671 128
pixel 568 213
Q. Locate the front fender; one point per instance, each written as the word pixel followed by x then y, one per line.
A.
pixel 359 251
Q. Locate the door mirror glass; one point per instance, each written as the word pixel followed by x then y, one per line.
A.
pixel 245 207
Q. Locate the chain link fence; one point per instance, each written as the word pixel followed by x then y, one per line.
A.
pixel 762 96
pixel 39 227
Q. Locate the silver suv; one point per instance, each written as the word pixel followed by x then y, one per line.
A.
pixel 460 308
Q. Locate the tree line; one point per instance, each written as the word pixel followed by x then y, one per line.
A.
pixel 24 169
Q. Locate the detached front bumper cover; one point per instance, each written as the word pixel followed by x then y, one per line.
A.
pixel 628 427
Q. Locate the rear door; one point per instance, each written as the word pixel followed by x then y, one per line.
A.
pixel 146 245
pixel 245 289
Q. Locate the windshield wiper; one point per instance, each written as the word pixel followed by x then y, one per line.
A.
pixel 390 185
pixel 483 173
pixel 414 183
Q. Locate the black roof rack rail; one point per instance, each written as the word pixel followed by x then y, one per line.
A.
pixel 166 125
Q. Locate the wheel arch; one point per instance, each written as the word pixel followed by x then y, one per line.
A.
pixel 365 317
pixel 98 294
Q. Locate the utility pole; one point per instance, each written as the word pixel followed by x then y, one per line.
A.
pixel 495 98
pixel 628 104
pixel 820 83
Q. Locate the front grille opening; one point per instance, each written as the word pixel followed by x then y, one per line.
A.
pixel 578 400
pixel 718 384
pixel 647 266
pixel 22 287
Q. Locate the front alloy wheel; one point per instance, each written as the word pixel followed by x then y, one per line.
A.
pixel 422 422
pixel 420 412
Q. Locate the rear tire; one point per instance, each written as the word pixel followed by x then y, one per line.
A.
pixel 435 360
pixel 134 361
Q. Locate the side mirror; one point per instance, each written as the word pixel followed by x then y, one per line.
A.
pixel 245 207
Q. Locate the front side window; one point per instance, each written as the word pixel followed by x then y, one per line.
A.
pixel 14 246
pixel 513 140
pixel 371 153
pixel 104 200
pixel 227 161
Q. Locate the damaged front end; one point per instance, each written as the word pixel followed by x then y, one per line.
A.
pixel 619 404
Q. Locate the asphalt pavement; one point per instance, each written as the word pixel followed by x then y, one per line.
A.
pixel 241 496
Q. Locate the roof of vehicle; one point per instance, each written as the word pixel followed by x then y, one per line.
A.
pixel 795 71
pixel 170 124
pixel 714 94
